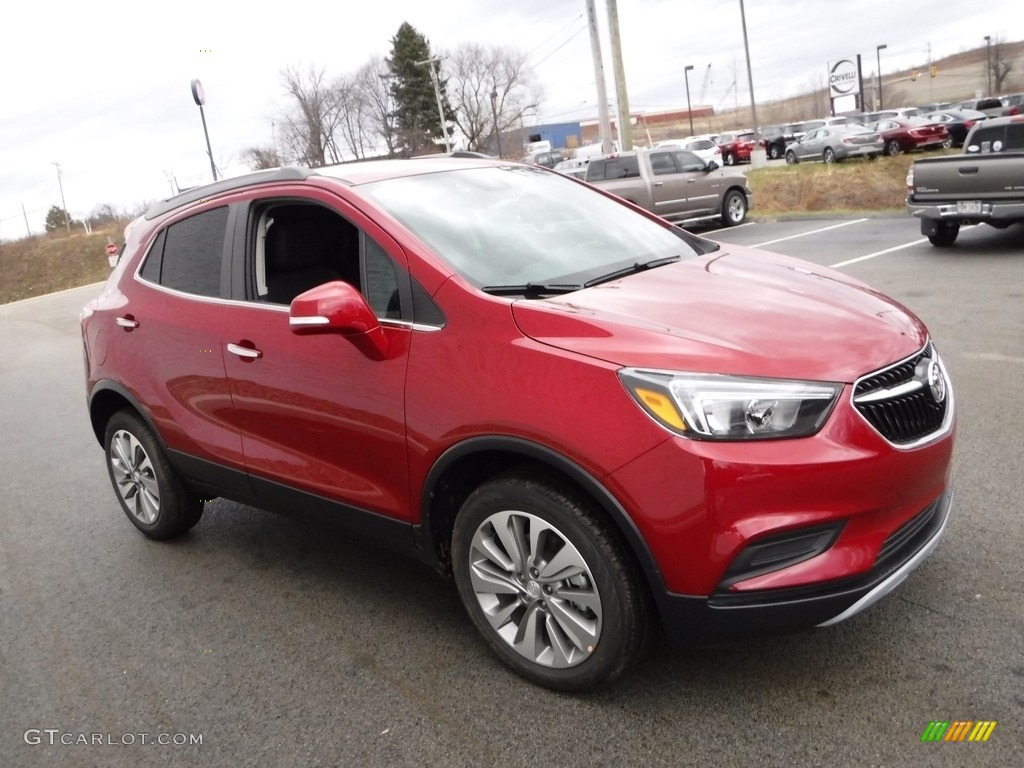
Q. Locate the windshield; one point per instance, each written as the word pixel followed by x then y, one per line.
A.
pixel 500 226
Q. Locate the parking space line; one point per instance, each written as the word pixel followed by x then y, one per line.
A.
pixel 809 232
pixel 837 265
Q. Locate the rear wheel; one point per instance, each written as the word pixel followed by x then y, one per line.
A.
pixel 729 159
pixel 892 148
pixel 151 493
pixel 945 234
pixel 774 152
pixel 547 585
pixel 734 208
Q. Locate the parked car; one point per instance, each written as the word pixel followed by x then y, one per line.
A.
pixel 905 134
pixel 957 122
pixel 577 167
pixel 546 158
pixel 990 105
pixel 591 419
pixel 979 186
pixel 702 146
pixel 775 138
pixel 674 184
pixel 835 143
pixel 1013 102
pixel 736 147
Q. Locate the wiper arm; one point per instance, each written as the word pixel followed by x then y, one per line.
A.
pixel 640 266
pixel 531 290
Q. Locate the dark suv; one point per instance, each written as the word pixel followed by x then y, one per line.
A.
pixel 591 418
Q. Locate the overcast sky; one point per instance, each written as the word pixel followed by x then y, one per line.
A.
pixel 103 87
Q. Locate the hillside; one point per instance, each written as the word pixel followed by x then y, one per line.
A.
pixel 46 263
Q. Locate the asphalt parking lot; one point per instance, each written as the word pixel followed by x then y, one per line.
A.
pixel 279 644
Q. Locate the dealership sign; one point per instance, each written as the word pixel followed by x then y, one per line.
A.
pixel 843 78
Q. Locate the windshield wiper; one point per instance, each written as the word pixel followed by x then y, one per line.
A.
pixel 640 266
pixel 531 290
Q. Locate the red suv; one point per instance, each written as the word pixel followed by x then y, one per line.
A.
pixel 736 147
pixel 593 419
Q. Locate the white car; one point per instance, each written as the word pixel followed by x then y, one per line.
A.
pixel 701 146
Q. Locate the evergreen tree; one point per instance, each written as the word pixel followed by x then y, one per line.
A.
pixel 416 114
pixel 56 218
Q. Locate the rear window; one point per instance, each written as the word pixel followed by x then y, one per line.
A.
pixel 613 168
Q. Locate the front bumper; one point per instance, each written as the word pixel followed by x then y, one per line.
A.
pixel 723 616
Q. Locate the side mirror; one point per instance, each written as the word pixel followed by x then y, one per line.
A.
pixel 337 307
pixel 712 165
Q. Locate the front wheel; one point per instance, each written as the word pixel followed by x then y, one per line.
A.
pixel 791 158
pixel 892 148
pixel 734 208
pixel 151 493
pixel 945 234
pixel 829 155
pixel 545 582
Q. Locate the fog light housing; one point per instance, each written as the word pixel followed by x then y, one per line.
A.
pixel 780 550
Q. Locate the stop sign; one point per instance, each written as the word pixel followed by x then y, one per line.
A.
pixel 111 249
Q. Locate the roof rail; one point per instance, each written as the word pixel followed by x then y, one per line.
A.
pixel 195 194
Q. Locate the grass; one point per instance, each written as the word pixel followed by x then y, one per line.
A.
pixel 47 263
pixel 853 185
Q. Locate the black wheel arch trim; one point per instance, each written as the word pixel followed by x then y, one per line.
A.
pixel 552 458
pixel 108 385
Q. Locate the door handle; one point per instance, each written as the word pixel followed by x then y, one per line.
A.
pixel 127 322
pixel 246 353
pixel 658 183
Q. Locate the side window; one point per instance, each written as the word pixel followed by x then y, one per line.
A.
pixel 622 168
pixel 661 163
pixel 687 162
pixel 1014 137
pixel 151 268
pixel 381 281
pixel 192 253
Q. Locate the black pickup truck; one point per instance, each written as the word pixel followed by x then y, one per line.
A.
pixel 982 185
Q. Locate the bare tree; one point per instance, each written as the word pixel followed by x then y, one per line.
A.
pixel 314 117
pixel 355 117
pixel 372 82
pixel 817 94
pixel 1000 65
pixel 473 73
pixel 262 158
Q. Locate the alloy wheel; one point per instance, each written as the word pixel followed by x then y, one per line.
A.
pixel 134 476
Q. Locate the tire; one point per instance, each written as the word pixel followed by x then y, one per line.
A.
pixel 729 159
pixel 151 493
pixel 512 595
pixel 829 155
pixel 774 152
pixel 791 158
pixel 948 143
pixel 892 148
pixel 734 208
pixel 945 235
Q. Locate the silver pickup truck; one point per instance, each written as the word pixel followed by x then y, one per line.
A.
pixel 983 184
pixel 674 184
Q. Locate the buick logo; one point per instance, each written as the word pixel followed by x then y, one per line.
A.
pixel 936 381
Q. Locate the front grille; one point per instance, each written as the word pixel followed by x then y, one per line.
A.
pixel 900 402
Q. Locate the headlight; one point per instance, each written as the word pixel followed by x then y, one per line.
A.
pixel 712 407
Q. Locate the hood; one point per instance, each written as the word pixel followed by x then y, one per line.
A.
pixel 740 311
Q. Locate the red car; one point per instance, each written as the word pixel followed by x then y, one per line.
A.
pixel 594 420
pixel 905 134
pixel 736 147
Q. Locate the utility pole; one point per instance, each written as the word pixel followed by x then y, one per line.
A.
pixel 67 216
pixel 602 94
pixel 988 61
pixel 689 109
pixel 750 76
pixel 878 62
pixel 437 94
pixel 27 227
pixel 494 111
pixel 621 98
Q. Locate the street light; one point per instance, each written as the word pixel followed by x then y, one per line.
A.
pixel 437 94
pixel 494 111
pixel 878 61
pixel 199 96
pixel 689 109
pixel 988 59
